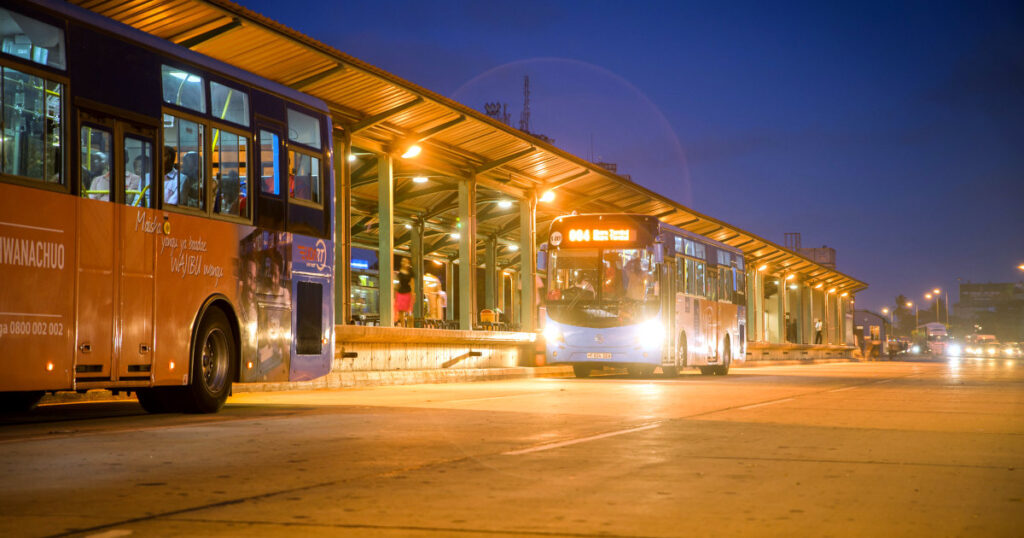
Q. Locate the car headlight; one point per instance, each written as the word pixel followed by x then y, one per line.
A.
pixel 650 333
pixel 553 334
pixel 991 351
pixel 916 349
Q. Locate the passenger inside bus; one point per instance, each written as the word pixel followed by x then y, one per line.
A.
pixel 172 177
pixel 99 187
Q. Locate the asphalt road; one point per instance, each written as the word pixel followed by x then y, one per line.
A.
pixel 905 448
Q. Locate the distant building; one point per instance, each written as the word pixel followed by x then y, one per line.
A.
pixel 871 331
pixel 992 308
pixel 825 256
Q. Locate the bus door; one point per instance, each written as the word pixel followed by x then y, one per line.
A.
pixel 115 253
pixel 139 229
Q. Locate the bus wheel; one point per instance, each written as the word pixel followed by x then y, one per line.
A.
pixel 582 370
pixel 19 402
pixel 160 399
pixel 707 370
pixel 723 369
pixel 213 363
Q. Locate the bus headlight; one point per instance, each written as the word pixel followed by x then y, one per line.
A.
pixel 650 333
pixel 916 349
pixel 553 334
pixel 954 350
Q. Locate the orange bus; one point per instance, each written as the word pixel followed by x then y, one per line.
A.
pixel 166 221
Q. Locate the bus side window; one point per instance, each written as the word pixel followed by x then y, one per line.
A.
pixel 182 169
pixel 97 158
pixel 138 172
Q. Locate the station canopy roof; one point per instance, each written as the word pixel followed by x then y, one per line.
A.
pixel 384 113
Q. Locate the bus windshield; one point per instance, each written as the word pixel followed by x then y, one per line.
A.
pixel 602 287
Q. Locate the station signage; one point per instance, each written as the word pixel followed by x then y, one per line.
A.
pixel 600 235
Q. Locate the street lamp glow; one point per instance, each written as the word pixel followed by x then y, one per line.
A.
pixel 936 291
pixel 548 196
pixel 910 304
pixel 885 310
pixel 412 151
pixel 927 296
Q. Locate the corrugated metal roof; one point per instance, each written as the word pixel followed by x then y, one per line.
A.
pixel 356 91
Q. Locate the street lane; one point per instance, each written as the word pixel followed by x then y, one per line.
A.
pixel 928 447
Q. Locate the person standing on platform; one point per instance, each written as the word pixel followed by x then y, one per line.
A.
pixel 403 295
pixel 817 331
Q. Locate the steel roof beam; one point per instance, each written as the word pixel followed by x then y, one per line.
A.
pixel 210 34
pixel 567 180
pixel 313 79
pixel 491 165
pixel 424 135
pixel 370 121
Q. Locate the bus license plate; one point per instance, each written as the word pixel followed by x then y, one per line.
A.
pixel 599 355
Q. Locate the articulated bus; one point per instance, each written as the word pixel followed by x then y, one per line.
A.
pixel 631 291
pixel 166 220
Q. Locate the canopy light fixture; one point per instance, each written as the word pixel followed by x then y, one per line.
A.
pixel 548 196
pixel 419 179
pixel 412 151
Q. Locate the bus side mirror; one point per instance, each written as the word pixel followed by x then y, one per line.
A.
pixel 542 257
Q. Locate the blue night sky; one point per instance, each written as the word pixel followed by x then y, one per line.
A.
pixel 891 132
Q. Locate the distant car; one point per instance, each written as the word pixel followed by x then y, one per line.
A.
pixel 983 345
pixel 1012 349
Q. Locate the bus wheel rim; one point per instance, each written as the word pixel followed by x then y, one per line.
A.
pixel 214 363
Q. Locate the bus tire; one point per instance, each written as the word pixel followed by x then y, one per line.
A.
pixel 723 369
pixel 707 370
pixel 213 363
pixel 19 402
pixel 582 371
pixel 160 399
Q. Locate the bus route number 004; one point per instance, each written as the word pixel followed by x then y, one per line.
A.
pixel 35 328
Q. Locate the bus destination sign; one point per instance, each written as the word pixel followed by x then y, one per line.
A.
pixel 600 235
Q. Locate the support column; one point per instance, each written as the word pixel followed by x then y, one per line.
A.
pixel 449 289
pixel 806 316
pixel 527 262
pixel 416 248
pixel 491 273
pixel 467 253
pixel 752 305
pixel 386 239
pixel 342 230
pixel 781 321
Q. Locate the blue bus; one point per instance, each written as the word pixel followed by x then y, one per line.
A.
pixel 629 291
